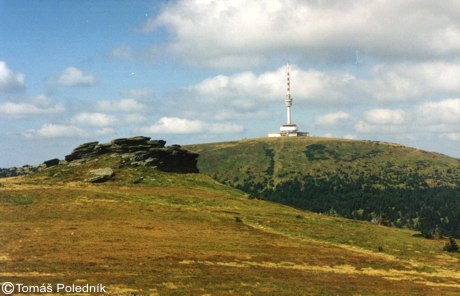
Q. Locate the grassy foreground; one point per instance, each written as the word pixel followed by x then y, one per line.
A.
pixel 174 234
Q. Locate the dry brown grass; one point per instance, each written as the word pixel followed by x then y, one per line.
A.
pixel 185 240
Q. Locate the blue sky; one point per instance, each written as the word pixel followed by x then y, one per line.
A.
pixel 200 71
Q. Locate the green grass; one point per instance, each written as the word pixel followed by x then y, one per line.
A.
pixel 356 179
pixel 17 199
pixel 233 162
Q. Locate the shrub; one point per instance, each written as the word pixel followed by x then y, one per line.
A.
pixel 451 245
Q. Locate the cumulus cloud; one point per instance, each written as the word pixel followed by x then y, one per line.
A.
pixel 138 93
pixel 175 125
pixel 244 90
pixel 447 111
pixel 123 105
pixel 439 118
pixel 332 30
pixel 416 80
pixel 132 101
pixel 72 76
pixel 9 81
pixel 134 118
pixel 94 119
pixel 332 118
pixel 382 121
pixel 454 136
pixel 55 131
pixel 385 116
pixel 25 109
pixel 385 83
pixel 52 130
pixel 105 131
pixel 37 105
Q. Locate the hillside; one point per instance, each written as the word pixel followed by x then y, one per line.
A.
pixel 364 180
pixel 150 232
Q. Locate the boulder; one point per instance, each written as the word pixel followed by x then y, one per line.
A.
pixel 51 162
pixel 156 143
pixel 100 175
pixel 139 140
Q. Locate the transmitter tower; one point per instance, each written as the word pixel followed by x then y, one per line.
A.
pixel 289 129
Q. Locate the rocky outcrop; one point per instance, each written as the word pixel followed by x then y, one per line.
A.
pixel 139 151
pixel 19 171
pixel 135 151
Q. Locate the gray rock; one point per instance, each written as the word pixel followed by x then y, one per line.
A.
pixel 86 146
pixel 100 175
pixel 139 140
pixel 156 143
pixel 51 162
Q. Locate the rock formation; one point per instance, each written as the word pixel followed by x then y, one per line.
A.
pixel 135 151
pixel 139 151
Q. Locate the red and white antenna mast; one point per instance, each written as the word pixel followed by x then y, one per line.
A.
pixel 288 99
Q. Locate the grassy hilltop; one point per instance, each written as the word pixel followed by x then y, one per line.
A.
pixel 364 180
pixel 149 232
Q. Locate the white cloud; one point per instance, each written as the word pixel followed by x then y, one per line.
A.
pixel 123 105
pixel 94 119
pixel 385 116
pixel 245 33
pixel 447 111
pixel 407 81
pixel 138 93
pixel 332 118
pixel 134 118
pixel 105 131
pixel 55 131
pixel 10 82
pixel 369 128
pixel 246 90
pixel 439 118
pixel 37 105
pixel 454 136
pixel 383 121
pixel 72 76
pixel 175 125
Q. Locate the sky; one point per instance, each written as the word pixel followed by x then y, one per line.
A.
pixel 197 71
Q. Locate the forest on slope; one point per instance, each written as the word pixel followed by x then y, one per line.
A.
pixel 375 181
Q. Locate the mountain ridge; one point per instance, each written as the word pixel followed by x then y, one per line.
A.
pixel 368 180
